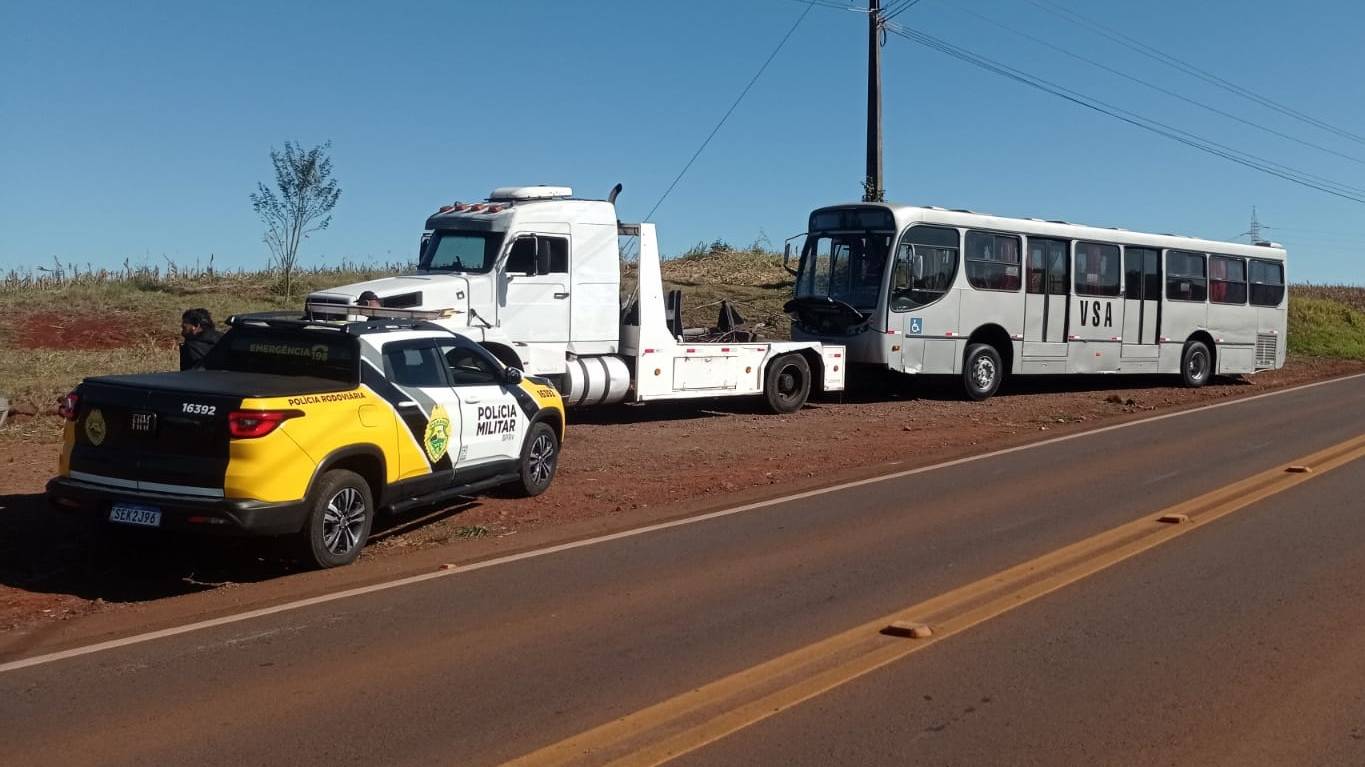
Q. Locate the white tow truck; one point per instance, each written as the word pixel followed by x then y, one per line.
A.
pixel 534 275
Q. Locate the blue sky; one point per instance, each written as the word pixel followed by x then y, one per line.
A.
pixel 137 130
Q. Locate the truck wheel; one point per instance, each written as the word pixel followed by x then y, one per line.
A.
pixel 788 383
pixel 340 514
pixel 539 459
pixel 982 372
pixel 1196 364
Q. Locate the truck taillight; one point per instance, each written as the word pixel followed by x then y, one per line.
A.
pixel 250 424
pixel 66 406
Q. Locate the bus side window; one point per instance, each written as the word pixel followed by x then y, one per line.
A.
pixel 1186 277
pixel 1097 269
pixel 903 271
pixel 926 263
pixel 1227 280
pixel 993 261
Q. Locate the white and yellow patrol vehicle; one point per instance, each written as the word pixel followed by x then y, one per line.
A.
pixel 307 428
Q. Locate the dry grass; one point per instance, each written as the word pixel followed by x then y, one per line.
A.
pixel 752 279
pixel 143 306
pixel 1348 295
pixel 173 277
pixel 140 308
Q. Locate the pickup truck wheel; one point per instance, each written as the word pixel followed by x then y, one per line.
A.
pixel 539 459
pixel 341 511
pixel 788 383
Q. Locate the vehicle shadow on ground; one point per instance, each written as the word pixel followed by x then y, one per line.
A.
pixel 878 386
pixel 676 410
pixel 891 387
pixel 43 551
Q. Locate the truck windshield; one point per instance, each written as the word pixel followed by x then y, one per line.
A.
pixel 451 250
pixel 848 267
pixel 314 354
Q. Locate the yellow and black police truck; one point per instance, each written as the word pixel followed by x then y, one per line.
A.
pixel 307 428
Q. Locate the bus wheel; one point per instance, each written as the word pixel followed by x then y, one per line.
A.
pixel 1196 364
pixel 788 383
pixel 982 372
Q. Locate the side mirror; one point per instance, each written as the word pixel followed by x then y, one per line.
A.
pixel 512 376
pixel 786 259
pixel 787 253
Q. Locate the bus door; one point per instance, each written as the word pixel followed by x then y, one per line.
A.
pixel 1142 302
pixel 1046 302
pixel 1096 326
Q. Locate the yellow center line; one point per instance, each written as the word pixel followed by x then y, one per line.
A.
pixel 686 722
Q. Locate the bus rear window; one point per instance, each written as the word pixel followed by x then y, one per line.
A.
pixel 306 354
pixel 1267 283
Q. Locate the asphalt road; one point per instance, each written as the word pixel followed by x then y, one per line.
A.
pixel 1239 642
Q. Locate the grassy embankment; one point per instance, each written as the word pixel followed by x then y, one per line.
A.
pixel 55 331
pixel 1327 321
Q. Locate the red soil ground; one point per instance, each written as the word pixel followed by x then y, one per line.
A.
pixel 77 330
pixel 619 464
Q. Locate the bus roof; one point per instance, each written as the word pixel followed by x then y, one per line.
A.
pixel 907 215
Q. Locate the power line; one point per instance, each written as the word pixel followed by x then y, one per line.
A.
pixel 1242 158
pixel 835 6
pixel 1158 88
pixel 895 11
pixel 1313 231
pixel 1132 117
pixel 809 5
pixel 1191 69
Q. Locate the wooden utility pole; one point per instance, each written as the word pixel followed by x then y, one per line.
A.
pixel 873 190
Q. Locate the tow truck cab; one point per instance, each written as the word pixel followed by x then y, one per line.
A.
pixel 532 272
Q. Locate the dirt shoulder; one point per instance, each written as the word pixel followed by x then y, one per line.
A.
pixel 621 467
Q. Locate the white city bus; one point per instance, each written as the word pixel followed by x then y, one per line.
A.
pixel 926 290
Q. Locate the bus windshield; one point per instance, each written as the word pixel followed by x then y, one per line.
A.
pixel 847 267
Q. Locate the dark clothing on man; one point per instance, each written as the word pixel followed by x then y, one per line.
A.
pixel 196 347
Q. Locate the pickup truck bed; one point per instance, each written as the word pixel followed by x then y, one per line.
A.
pixel 225 383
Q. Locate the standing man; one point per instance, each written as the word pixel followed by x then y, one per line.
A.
pixel 196 325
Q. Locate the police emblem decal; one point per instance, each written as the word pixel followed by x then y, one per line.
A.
pixel 95 427
pixel 437 437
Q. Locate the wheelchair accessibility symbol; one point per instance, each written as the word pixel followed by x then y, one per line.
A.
pixel 916 326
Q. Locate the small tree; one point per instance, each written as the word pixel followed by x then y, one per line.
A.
pixel 302 205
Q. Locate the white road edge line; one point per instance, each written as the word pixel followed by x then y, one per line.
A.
pixel 75 652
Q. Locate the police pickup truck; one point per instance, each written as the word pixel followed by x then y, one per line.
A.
pixel 306 428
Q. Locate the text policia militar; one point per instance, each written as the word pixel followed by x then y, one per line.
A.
pixel 497 419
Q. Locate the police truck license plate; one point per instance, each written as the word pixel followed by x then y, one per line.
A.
pixel 133 514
